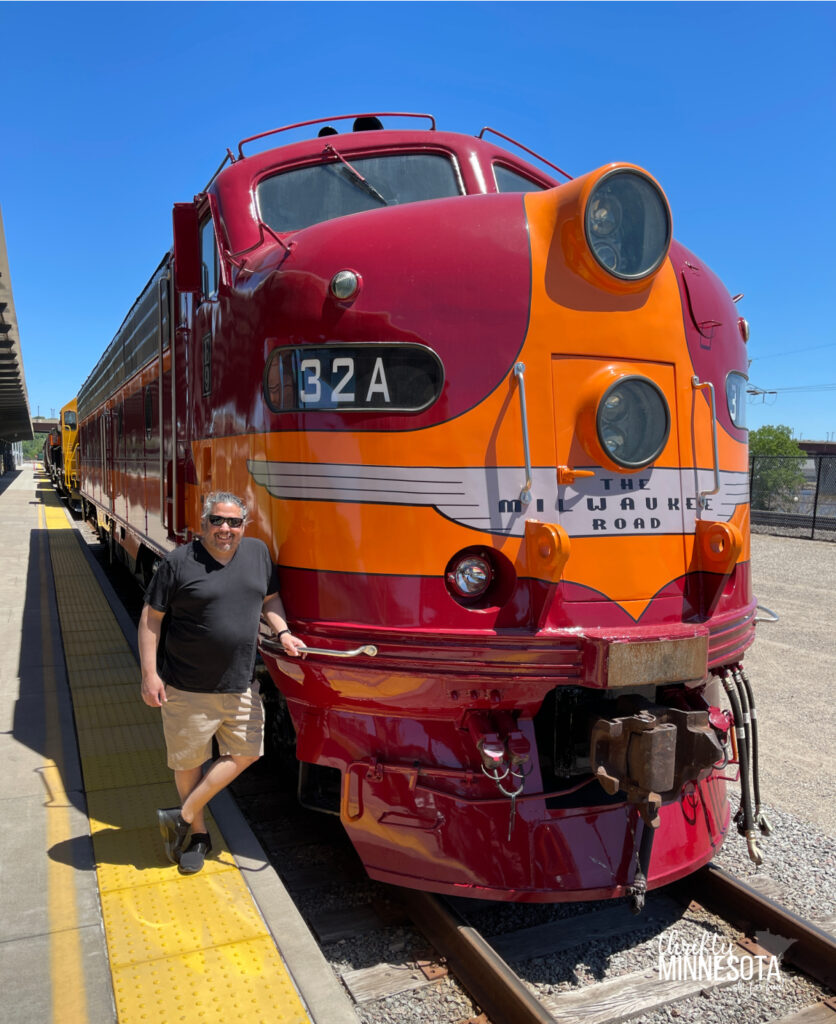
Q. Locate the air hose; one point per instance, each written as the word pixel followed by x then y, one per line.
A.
pixel 748 828
pixel 744 685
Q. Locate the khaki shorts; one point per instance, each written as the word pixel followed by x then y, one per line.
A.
pixel 191 720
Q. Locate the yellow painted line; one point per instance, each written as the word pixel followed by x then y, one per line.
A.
pixel 188 948
pixel 69 994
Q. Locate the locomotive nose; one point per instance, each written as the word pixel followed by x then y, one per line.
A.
pixel 633 467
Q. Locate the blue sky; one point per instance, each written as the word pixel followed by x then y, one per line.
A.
pixel 111 112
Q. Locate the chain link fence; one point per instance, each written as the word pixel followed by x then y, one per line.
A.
pixel 794 497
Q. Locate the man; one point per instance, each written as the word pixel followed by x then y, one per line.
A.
pixel 213 592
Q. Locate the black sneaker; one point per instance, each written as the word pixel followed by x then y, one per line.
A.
pixel 174 831
pixel 192 858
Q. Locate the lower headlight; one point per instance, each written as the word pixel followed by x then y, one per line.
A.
pixel 470 576
pixel 628 224
pixel 633 422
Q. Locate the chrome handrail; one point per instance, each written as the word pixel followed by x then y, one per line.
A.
pixel 697 383
pixel 762 608
pixel 525 493
pixel 275 646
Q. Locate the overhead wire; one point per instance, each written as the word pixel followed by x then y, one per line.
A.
pixel 805 388
pixel 795 351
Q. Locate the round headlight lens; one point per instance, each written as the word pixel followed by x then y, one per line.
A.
pixel 471 576
pixel 345 284
pixel 633 422
pixel 628 225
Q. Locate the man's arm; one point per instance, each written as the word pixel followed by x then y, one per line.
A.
pixel 273 611
pixel 148 640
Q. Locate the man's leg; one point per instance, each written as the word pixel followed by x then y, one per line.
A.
pixel 241 730
pixel 185 781
pixel 220 774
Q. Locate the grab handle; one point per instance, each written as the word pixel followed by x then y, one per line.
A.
pixel 525 493
pixel 762 608
pixel 275 647
pixel 697 383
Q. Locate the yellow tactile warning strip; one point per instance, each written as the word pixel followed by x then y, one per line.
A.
pixel 184 949
pixel 69 994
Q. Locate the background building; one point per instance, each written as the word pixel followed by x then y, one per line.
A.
pixel 15 421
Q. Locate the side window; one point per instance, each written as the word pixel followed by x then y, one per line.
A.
pixel 736 398
pixel 208 259
pixel 510 181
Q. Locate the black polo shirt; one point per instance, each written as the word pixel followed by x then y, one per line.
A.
pixel 212 614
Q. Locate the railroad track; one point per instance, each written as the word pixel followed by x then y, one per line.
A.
pixel 483 966
pixel 506 999
pixel 823 520
pixel 395 947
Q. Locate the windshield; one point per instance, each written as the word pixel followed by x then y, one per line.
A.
pixel 308 195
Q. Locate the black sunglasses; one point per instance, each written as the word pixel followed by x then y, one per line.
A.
pixel 234 521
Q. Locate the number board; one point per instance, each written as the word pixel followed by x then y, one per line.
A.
pixel 364 377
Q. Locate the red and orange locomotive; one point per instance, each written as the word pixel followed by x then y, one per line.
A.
pixel 491 427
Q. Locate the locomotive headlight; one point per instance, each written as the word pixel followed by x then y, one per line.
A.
pixel 470 576
pixel 345 284
pixel 478 578
pixel 633 422
pixel 627 224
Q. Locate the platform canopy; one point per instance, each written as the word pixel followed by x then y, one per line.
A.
pixel 15 419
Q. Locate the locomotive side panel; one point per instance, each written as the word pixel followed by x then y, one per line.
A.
pixel 122 418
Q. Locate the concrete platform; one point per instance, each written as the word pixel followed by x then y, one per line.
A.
pixel 97 925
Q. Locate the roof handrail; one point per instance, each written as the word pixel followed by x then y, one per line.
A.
pixel 525 149
pixel 325 120
pixel 229 158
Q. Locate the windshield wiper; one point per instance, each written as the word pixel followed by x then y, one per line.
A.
pixel 356 176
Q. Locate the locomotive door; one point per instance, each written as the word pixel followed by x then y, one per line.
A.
pixel 626 524
pixel 106 429
pixel 169 491
pixel 205 364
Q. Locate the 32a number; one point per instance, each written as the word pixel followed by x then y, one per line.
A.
pixel 341 384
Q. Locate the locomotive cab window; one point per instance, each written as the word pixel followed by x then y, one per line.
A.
pixel 70 421
pixel 736 397
pixel 512 181
pixel 210 269
pixel 309 195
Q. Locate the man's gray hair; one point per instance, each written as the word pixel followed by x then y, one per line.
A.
pixel 222 498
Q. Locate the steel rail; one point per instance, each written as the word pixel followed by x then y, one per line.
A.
pixel 481 970
pixel 812 949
